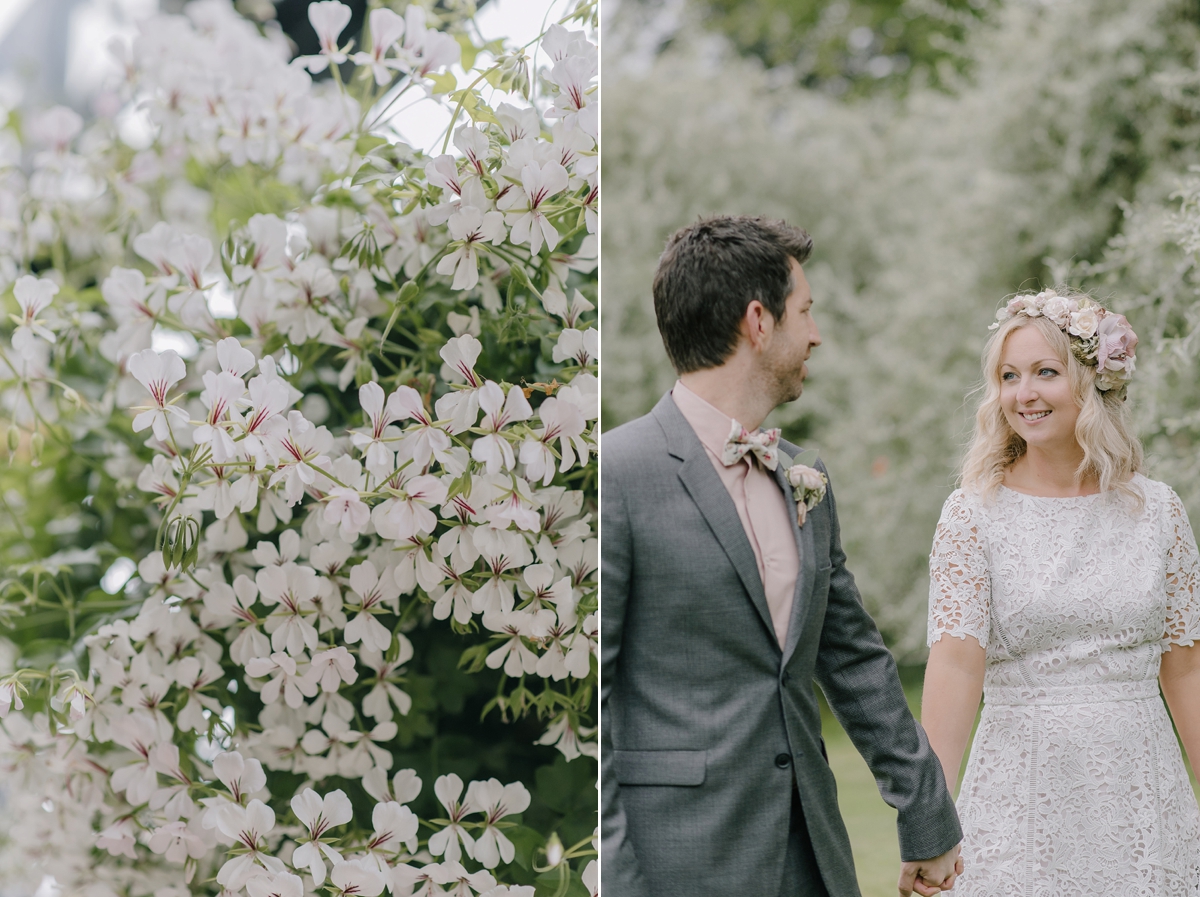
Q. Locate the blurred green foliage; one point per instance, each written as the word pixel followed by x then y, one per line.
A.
pixel 852 46
pixel 1059 145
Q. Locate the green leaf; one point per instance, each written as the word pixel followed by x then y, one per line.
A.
pixel 527 842
pixel 474 658
pixel 460 486
pixel 469 50
pixel 368 143
pixel 407 294
pixel 481 111
pixel 549 884
pixel 443 83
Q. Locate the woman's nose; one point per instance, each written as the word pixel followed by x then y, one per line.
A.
pixel 1026 391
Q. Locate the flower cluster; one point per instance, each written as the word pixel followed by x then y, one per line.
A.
pixel 1099 338
pixel 346 438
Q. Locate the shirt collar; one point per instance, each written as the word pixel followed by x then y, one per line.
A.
pixel 710 424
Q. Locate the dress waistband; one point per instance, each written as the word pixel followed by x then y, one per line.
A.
pixel 1092 693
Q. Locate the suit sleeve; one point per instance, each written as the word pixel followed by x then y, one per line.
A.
pixel 622 873
pixel 859 677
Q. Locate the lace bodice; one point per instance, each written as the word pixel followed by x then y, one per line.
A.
pixel 1085 590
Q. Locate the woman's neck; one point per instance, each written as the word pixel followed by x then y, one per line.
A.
pixel 1050 474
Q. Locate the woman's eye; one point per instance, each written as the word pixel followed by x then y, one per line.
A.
pixel 1008 375
pixel 1048 371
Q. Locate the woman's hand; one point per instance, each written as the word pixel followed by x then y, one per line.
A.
pixel 928 877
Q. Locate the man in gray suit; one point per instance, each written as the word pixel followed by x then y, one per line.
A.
pixel 722 602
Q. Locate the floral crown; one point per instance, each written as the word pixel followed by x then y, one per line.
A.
pixel 1100 338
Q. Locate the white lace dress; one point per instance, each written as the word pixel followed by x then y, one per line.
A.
pixel 1075 786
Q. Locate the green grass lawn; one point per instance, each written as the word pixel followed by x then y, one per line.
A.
pixel 871 822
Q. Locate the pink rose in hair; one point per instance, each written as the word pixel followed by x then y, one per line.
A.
pixel 1117 343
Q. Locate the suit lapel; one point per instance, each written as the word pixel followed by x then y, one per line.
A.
pixel 808 565
pixel 711 497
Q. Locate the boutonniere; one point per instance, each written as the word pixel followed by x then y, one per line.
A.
pixel 808 487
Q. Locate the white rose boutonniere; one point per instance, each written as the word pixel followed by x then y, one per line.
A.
pixel 808 488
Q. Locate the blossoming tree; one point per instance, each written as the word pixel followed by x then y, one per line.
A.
pixel 333 400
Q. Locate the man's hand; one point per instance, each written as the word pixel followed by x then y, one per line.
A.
pixel 928 877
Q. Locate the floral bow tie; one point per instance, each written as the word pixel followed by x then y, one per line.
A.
pixel 763 444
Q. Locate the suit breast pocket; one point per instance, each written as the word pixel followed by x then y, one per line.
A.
pixel 686 768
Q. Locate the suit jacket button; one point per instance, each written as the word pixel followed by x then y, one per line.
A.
pixel 783 680
pixel 783 761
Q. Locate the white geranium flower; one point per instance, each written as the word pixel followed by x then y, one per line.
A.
pixel 328 18
pixel 319 814
pixel 568 737
pixel 495 801
pixel 563 422
pixel 235 359
pixel 287 680
pixel 248 827
pixel 301 449
pixel 524 205
pixel 291 589
pixel 158 372
pixel 118 838
pixel 514 654
pixel 332 667
pixel 9 698
pixel 457 598
pixel 239 775
pixel 405 787
pixel 470 227
pixel 581 347
pixel 177 842
pixel 357 879
pixel 491 449
pixel 408 511
pixel 275 884
pixel 375 593
pixel 394 825
pixel 386 29
pixel 34 296
pixel 445 843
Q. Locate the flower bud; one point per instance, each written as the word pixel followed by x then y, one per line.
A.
pixel 514 73
pixel 14 437
pixel 36 444
pixel 554 851
pixel 407 293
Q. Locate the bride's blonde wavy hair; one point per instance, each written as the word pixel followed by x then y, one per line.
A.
pixel 1112 453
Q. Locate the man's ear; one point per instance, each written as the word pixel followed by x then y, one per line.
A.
pixel 757 324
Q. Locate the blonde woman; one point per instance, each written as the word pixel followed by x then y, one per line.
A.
pixel 1065 590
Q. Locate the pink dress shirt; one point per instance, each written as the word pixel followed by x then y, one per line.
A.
pixel 765 512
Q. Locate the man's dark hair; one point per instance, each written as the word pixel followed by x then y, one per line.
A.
pixel 708 274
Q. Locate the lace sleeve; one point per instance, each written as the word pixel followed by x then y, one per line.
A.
pixel 1183 578
pixel 959 580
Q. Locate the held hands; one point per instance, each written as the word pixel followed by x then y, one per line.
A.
pixel 928 877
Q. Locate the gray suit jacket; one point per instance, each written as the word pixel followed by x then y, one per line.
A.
pixel 705 721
